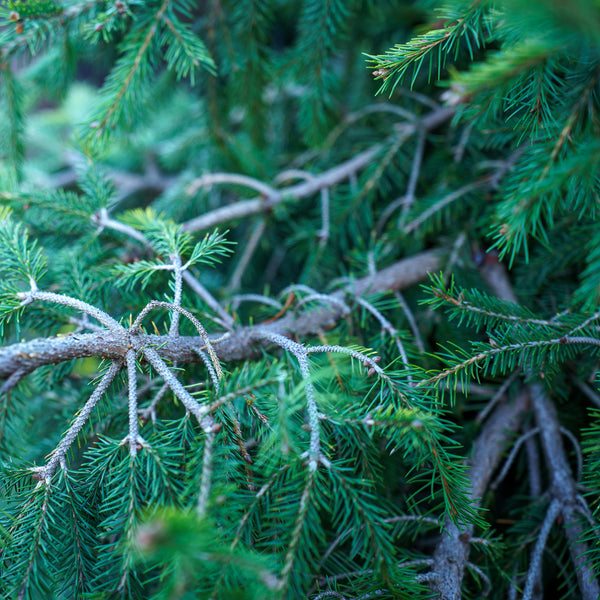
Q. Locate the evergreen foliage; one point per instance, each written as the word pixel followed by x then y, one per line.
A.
pixel 299 299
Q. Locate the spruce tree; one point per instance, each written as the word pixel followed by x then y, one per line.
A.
pixel 299 300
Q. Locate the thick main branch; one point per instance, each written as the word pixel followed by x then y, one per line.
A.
pixel 28 356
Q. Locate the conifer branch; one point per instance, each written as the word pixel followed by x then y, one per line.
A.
pixel 323 233
pixel 511 457
pixel 300 352
pixel 225 319
pixel 199 327
pixel 250 247
pixel 177 290
pixel 99 315
pixel 208 426
pixel 563 488
pixel 327 299
pixel 589 392
pixel 211 179
pixel 296 468
pixel 299 524
pixel 46 472
pixel 150 411
pixel 59 17
pixel 411 320
pixel 451 554
pixel 133 438
pixel 563 491
pixel 245 208
pixel 37 543
pixel 327 179
pixel 536 556
pixel 239 298
pixel 534 468
pixel 499 395
pixel 443 202
pixel 163 370
pixel 409 196
pixel 133 68
pixel 387 326
pixel 102 219
pixel 28 356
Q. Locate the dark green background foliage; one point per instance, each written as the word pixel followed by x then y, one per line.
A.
pixel 254 167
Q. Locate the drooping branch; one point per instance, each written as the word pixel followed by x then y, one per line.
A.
pixel 238 345
pixel 46 472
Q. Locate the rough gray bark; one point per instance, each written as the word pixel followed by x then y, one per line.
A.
pixel 25 357
pixel 452 553
pixel 563 486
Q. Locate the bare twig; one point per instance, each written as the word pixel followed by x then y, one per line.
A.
pixel 536 556
pixel 412 323
pixel 511 457
pixel 498 396
pixel 414 176
pixel 249 248
pixel 388 327
pixel 212 178
pixel 588 391
pixel 245 208
pixel 533 468
pixel 564 490
pixel 239 298
pixel 224 316
pixel 443 202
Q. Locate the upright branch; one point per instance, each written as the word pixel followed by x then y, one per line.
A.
pixel 565 499
pixel 452 553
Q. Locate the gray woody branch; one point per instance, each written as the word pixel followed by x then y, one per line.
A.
pixel 563 487
pixel 270 197
pixel 25 357
pixel 452 553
